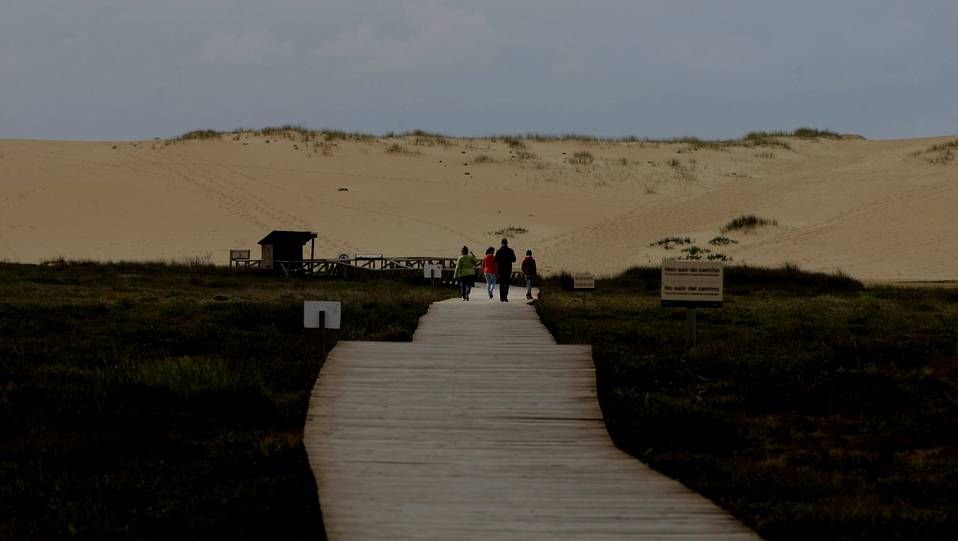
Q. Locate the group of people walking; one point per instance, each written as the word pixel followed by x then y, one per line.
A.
pixel 496 266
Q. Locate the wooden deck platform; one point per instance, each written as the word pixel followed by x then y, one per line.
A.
pixel 483 428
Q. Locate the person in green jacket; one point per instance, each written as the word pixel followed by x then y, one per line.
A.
pixel 466 272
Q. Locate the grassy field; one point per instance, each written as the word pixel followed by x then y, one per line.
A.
pixel 812 408
pixel 143 401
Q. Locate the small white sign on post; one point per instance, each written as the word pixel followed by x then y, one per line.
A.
pixel 311 310
pixel 583 280
pixel 431 270
pixel 692 284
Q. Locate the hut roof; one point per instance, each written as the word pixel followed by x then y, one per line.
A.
pixel 275 237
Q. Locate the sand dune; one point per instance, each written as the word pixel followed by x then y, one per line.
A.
pixel 878 210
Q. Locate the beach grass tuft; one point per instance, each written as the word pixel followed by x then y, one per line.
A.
pixel 510 232
pixel 747 222
pixel 582 157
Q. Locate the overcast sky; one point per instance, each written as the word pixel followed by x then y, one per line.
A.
pixel 123 69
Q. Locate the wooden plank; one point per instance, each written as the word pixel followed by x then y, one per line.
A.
pixel 483 428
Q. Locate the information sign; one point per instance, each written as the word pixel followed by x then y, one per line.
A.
pixel 583 280
pixel 692 284
pixel 431 270
pixel 311 310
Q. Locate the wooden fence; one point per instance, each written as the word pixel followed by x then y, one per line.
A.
pixel 367 267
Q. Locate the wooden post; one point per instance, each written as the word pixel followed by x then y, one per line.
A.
pixel 312 250
pixel 322 331
pixel 690 322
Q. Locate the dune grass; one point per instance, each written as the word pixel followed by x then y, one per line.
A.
pixel 154 401
pixel 670 242
pixel 582 157
pixel 396 148
pixel 519 141
pixel 509 232
pixel 200 135
pixel 812 408
pixel 747 222
pixel 940 154
pixel 950 145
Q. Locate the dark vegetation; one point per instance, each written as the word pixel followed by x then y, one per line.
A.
pixel 812 408
pixel 151 401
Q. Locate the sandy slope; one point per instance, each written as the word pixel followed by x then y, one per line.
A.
pixel 870 208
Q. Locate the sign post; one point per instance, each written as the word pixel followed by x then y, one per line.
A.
pixel 692 285
pixel 322 315
pixel 690 330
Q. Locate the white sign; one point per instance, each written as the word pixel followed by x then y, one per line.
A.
pixel 239 255
pixel 692 284
pixel 432 271
pixel 583 280
pixel 311 310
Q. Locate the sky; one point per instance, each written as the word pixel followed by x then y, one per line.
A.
pixel 136 69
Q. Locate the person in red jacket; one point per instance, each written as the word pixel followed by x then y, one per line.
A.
pixel 529 271
pixel 489 270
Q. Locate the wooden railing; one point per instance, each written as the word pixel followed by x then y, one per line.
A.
pixel 367 267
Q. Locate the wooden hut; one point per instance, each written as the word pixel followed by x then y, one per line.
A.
pixel 286 246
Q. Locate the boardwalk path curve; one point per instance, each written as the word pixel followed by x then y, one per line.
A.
pixel 483 428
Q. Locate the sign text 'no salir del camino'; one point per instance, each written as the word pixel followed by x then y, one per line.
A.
pixel 692 284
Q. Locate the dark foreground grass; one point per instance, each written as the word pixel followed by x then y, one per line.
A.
pixel 812 408
pixel 161 402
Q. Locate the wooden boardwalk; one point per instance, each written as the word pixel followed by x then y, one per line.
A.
pixel 483 428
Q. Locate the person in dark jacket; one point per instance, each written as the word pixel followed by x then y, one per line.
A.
pixel 529 271
pixel 505 257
